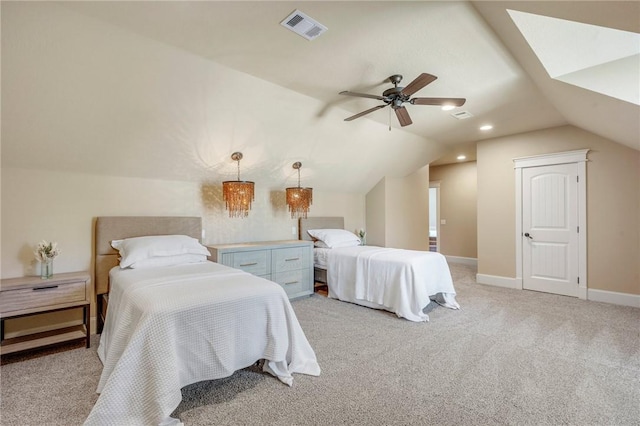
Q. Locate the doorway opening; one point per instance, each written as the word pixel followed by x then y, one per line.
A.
pixel 434 216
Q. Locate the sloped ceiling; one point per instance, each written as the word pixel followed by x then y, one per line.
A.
pixel 366 43
pixel 170 89
pixel 603 115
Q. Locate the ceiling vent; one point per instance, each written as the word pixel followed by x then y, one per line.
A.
pixel 304 26
pixel 461 115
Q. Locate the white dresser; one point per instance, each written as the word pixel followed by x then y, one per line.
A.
pixel 289 263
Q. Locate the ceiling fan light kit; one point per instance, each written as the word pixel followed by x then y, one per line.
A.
pixel 396 96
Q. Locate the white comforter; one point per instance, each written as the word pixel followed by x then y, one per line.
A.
pixel 396 280
pixel 173 326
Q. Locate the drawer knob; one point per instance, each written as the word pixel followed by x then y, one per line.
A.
pixel 248 264
pixel 294 258
pixel 291 282
pixel 49 287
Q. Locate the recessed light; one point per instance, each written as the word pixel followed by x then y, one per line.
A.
pixel 486 127
pixel 461 157
pixel 448 107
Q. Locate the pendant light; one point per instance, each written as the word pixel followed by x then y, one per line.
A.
pixel 238 194
pixel 299 199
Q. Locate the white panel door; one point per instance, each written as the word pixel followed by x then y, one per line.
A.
pixel 550 229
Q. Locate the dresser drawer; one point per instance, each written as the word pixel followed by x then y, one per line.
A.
pixel 47 294
pixel 294 282
pixel 255 262
pixel 290 259
pixel 289 263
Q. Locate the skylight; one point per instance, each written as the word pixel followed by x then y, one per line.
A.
pixel 599 59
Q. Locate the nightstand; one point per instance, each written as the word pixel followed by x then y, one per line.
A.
pixel 26 296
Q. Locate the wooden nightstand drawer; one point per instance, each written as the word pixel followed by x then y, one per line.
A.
pixel 43 294
pixel 254 262
pixel 289 259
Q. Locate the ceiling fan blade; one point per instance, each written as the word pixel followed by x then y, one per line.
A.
pixel 362 95
pixel 438 101
pixel 417 84
pixel 403 116
pixel 353 117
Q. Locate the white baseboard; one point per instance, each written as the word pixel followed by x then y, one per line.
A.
pixel 624 299
pixel 497 281
pixel 615 298
pixel 463 260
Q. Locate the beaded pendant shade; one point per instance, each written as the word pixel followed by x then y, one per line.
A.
pixel 238 194
pixel 299 199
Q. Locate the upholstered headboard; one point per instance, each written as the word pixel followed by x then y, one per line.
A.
pixel 109 228
pixel 318 223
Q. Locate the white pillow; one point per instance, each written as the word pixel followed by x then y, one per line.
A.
pixel 334 237
pixel 350 243
pixel 133 250
pixel 180 259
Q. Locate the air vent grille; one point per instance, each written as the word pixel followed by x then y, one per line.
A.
pixel 303 25
pixel 461 115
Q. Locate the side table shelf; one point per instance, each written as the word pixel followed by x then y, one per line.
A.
pixel 26 296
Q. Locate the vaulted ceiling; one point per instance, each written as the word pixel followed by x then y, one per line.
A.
pixel 474 48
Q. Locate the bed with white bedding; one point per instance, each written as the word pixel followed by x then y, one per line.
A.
pixel 170 326
pixel 396 280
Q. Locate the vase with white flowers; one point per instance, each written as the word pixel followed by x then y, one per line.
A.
pixel 362 234
pixel 45 253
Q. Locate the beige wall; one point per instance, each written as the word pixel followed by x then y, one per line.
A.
pixel 398 212
pixel 408 212
pixel 61 207
pixel 458 206
pixel 613 204
pixel 375 211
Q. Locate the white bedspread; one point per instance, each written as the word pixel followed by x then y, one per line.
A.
pixel 320 256
pixel 396 280
pixel 173 326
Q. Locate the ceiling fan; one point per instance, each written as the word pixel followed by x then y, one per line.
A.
pixel 396 96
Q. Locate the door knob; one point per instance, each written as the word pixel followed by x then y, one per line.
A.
pixel 526 234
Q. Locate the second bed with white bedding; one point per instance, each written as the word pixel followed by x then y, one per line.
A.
pixel 396 280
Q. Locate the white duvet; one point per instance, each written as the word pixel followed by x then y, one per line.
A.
pixel 173 326
pixel 320 256
pixel 396 280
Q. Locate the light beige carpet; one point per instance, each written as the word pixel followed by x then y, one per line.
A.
pixel 508 357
